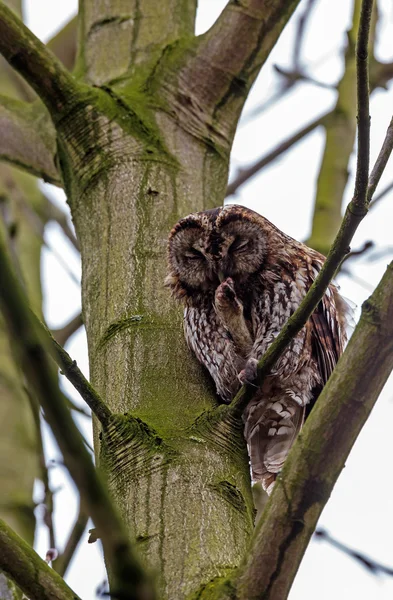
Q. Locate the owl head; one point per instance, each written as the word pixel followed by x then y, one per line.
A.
pixel 207 247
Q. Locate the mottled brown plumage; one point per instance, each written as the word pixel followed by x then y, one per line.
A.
pixel 240 279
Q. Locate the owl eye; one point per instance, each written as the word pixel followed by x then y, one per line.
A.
pixel 239 244
pixel 194 254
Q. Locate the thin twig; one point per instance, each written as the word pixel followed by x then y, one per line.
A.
pixel 381 194
pixel 361 198
pixel 48 498
pixel 63 561
pixel 356 211
pixel 299 36
pixel 54 213
pixel 246 174
pixel 355 253
pixel 63 334
pixel 71 370
pixel 380 164
pixel 296 76
pixel 369 563
pixel 128 575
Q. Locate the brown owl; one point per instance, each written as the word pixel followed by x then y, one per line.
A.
pixel 240 279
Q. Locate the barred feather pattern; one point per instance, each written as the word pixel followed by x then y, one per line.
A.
pixel 240 279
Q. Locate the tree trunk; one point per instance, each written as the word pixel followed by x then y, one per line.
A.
pixel 182 485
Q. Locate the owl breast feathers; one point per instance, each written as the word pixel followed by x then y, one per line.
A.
pixel 240 279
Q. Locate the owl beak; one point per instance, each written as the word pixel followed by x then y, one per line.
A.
pixel 221 276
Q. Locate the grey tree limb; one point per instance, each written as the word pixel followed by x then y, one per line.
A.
pixel 28 139
pixel 32 574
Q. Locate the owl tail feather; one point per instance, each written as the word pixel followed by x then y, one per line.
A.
pixel 270 430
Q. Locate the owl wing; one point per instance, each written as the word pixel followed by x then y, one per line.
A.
pixel 328 329
pixel 272 427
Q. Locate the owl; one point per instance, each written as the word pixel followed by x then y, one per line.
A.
pixel 240 279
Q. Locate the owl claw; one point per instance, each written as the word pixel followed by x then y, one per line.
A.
pixel 226 295
pixel 249 373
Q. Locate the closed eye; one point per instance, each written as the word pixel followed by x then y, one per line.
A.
pixel 239 244
pixel 194 254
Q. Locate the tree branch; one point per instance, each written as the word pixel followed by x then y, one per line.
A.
pixel 56 214
pixel 363 116
pixel 32 59
pixel 307 478
pixel 381 194
pixel 380 164
pixel 63 562
pixel 299 36
pixel 370 564
pixel 63 44
pixel 71 370
pixel 340 138
pixel 207 83
pixel 246 174
pixel 28 139
pixel 62 335
pixel 129 577
pixel 32 574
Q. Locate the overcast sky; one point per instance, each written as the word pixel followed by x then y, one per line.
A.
pixel 359 511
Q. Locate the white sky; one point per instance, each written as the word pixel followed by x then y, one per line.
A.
pixel 359 511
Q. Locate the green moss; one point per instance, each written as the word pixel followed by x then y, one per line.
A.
pixel 231 494
pixel 119 326
pixel 143 442
pixel 219 588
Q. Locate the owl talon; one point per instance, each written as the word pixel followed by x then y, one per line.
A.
pixel 249 373
pixel 225 293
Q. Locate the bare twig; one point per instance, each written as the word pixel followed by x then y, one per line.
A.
pixel 369 563
pixel 381 194
pixel 63 561
pixel 246 174
pixel 296 76
pixel 38 223
pixel 48 499
pixel 355 253
pixel 71 370
pixel 300 31
pixel 56 214
pixel 129 577
pixel 362 195
pixel 32 574
pixel 63 334
pixel 292 77
pixel 381 163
